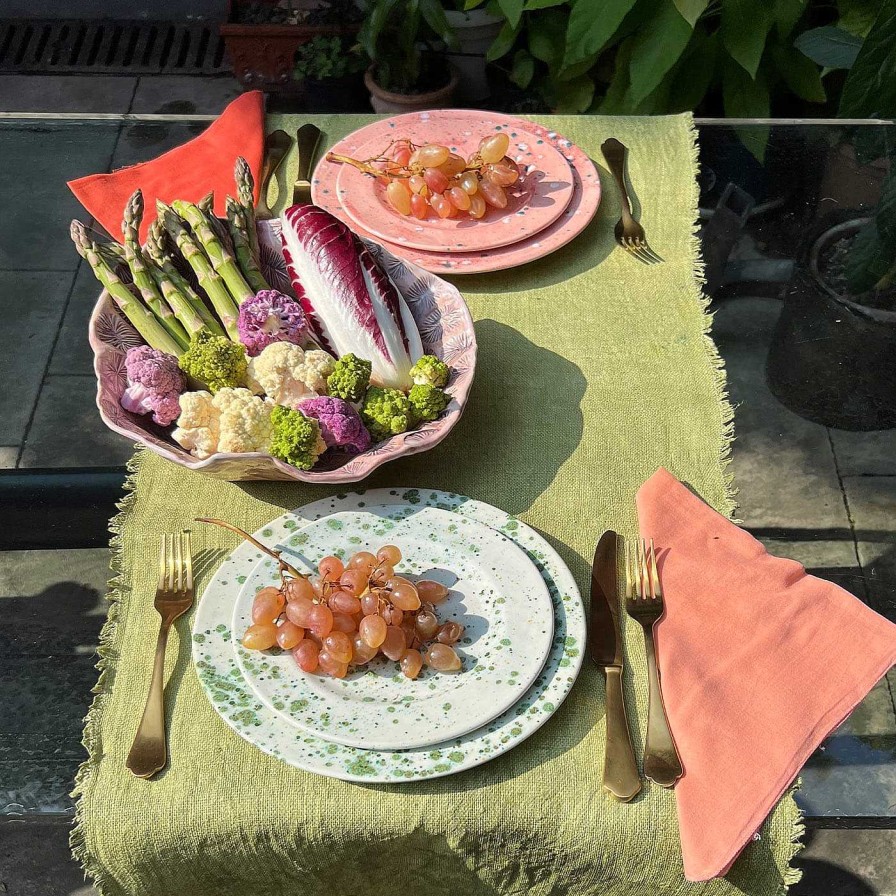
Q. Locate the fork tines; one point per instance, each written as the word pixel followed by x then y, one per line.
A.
pixel 642 581
pixel 176 563
pixel 641 250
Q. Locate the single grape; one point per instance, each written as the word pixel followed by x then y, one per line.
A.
pixel 431 592
pixel 401 154
pixel 342 622
pixel 501 174
pixel 469 182
pixel 363 560
pixel 411 664
pixel 260 636
pixel 289 635
pixel 399 197
pixel 389 554
pixel 343 602
pixel 450 633
pixel 453 165
pixel 330 568
pixel 395 645
pixel 267 605
pixel 442 658
pixel 373 630
pixel 354 581
pixel 305 654
pixel 321 620
pixel 391 614
pixel 294 588
pixel 300 612
pixel 435 180
pixel 381 574
pixel 460 198
pixel 493 148
pixel 477 206
pixel 493 194
pixel 419 207
pixel 330 665
pixel 370 604
pixel 339 646
pixel 427 624
pixel 414 160
pixel 432 155
pixel 442 206
pixel 416 183
pixel 317 585
pixel 362 652
pixel 408 626
pixel 403 594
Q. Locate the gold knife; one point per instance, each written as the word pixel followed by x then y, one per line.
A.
pixel 307 140
pixel 606 649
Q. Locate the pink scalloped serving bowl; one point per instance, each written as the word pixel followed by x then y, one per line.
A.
pixel 446 329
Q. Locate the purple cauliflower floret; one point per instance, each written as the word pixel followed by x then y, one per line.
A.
pixel 155 383
pixel 340 423
pixel 268 317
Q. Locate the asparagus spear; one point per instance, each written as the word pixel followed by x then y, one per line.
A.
pixel 245 188
pixel 222 261
pixel 236 219
pixel 209 279
pixel 155 250
pixel 143 280
pixel 146 323
pixel 207 206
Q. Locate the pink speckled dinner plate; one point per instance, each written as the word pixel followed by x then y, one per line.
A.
pixel 574 219
pixel 535 201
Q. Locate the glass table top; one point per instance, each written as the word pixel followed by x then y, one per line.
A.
pixel 813 380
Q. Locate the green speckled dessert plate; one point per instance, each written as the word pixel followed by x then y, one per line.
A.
pixel 267 728
pixel 496 593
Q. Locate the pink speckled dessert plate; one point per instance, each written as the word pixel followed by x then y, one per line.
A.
pixel 583 204
pixel 535 201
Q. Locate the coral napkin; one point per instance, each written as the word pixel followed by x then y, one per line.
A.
pixel 186 172
pixel 759 662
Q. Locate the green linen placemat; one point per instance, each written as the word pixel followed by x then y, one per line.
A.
pixel 593 370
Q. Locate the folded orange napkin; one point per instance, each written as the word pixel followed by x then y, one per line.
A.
pixel 186 172
pixel 759 662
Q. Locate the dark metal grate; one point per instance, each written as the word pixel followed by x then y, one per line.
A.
pixel 32 45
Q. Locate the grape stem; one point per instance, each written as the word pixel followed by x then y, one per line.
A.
pixel 474 163
pixel 284 566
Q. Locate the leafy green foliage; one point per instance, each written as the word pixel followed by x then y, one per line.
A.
pixel 327 56
pixel 830 46
pixel 870 89
pixel 745 26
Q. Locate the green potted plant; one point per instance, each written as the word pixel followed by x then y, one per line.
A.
pixel 476 24
pixel 262 36
pixel 404 40
pixel 832 359
pixel 331 68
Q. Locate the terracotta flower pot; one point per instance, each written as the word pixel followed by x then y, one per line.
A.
pixel 386 101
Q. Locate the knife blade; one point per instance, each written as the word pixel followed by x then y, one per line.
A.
pixel 607 651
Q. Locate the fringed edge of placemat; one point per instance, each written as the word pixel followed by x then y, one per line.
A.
pixel 793 815
pixel 107 652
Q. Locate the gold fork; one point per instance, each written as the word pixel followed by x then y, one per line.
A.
pixel 629 233
pixel 174 596
pixel 644 603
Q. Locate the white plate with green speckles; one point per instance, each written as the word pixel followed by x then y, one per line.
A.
pixel 496 592
pixel 240 707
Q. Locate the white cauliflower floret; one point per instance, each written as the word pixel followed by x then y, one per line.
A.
pixel 232 420
pixel 198 424
pixel 245 421
pixel 286 373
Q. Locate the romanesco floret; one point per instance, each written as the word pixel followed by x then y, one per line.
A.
pixel 428 401
pixel 387 412
pixel 232 420
pixel 215 361
pixel 430 371
pixel 296 438
pixel 350 378
pixel 286 373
